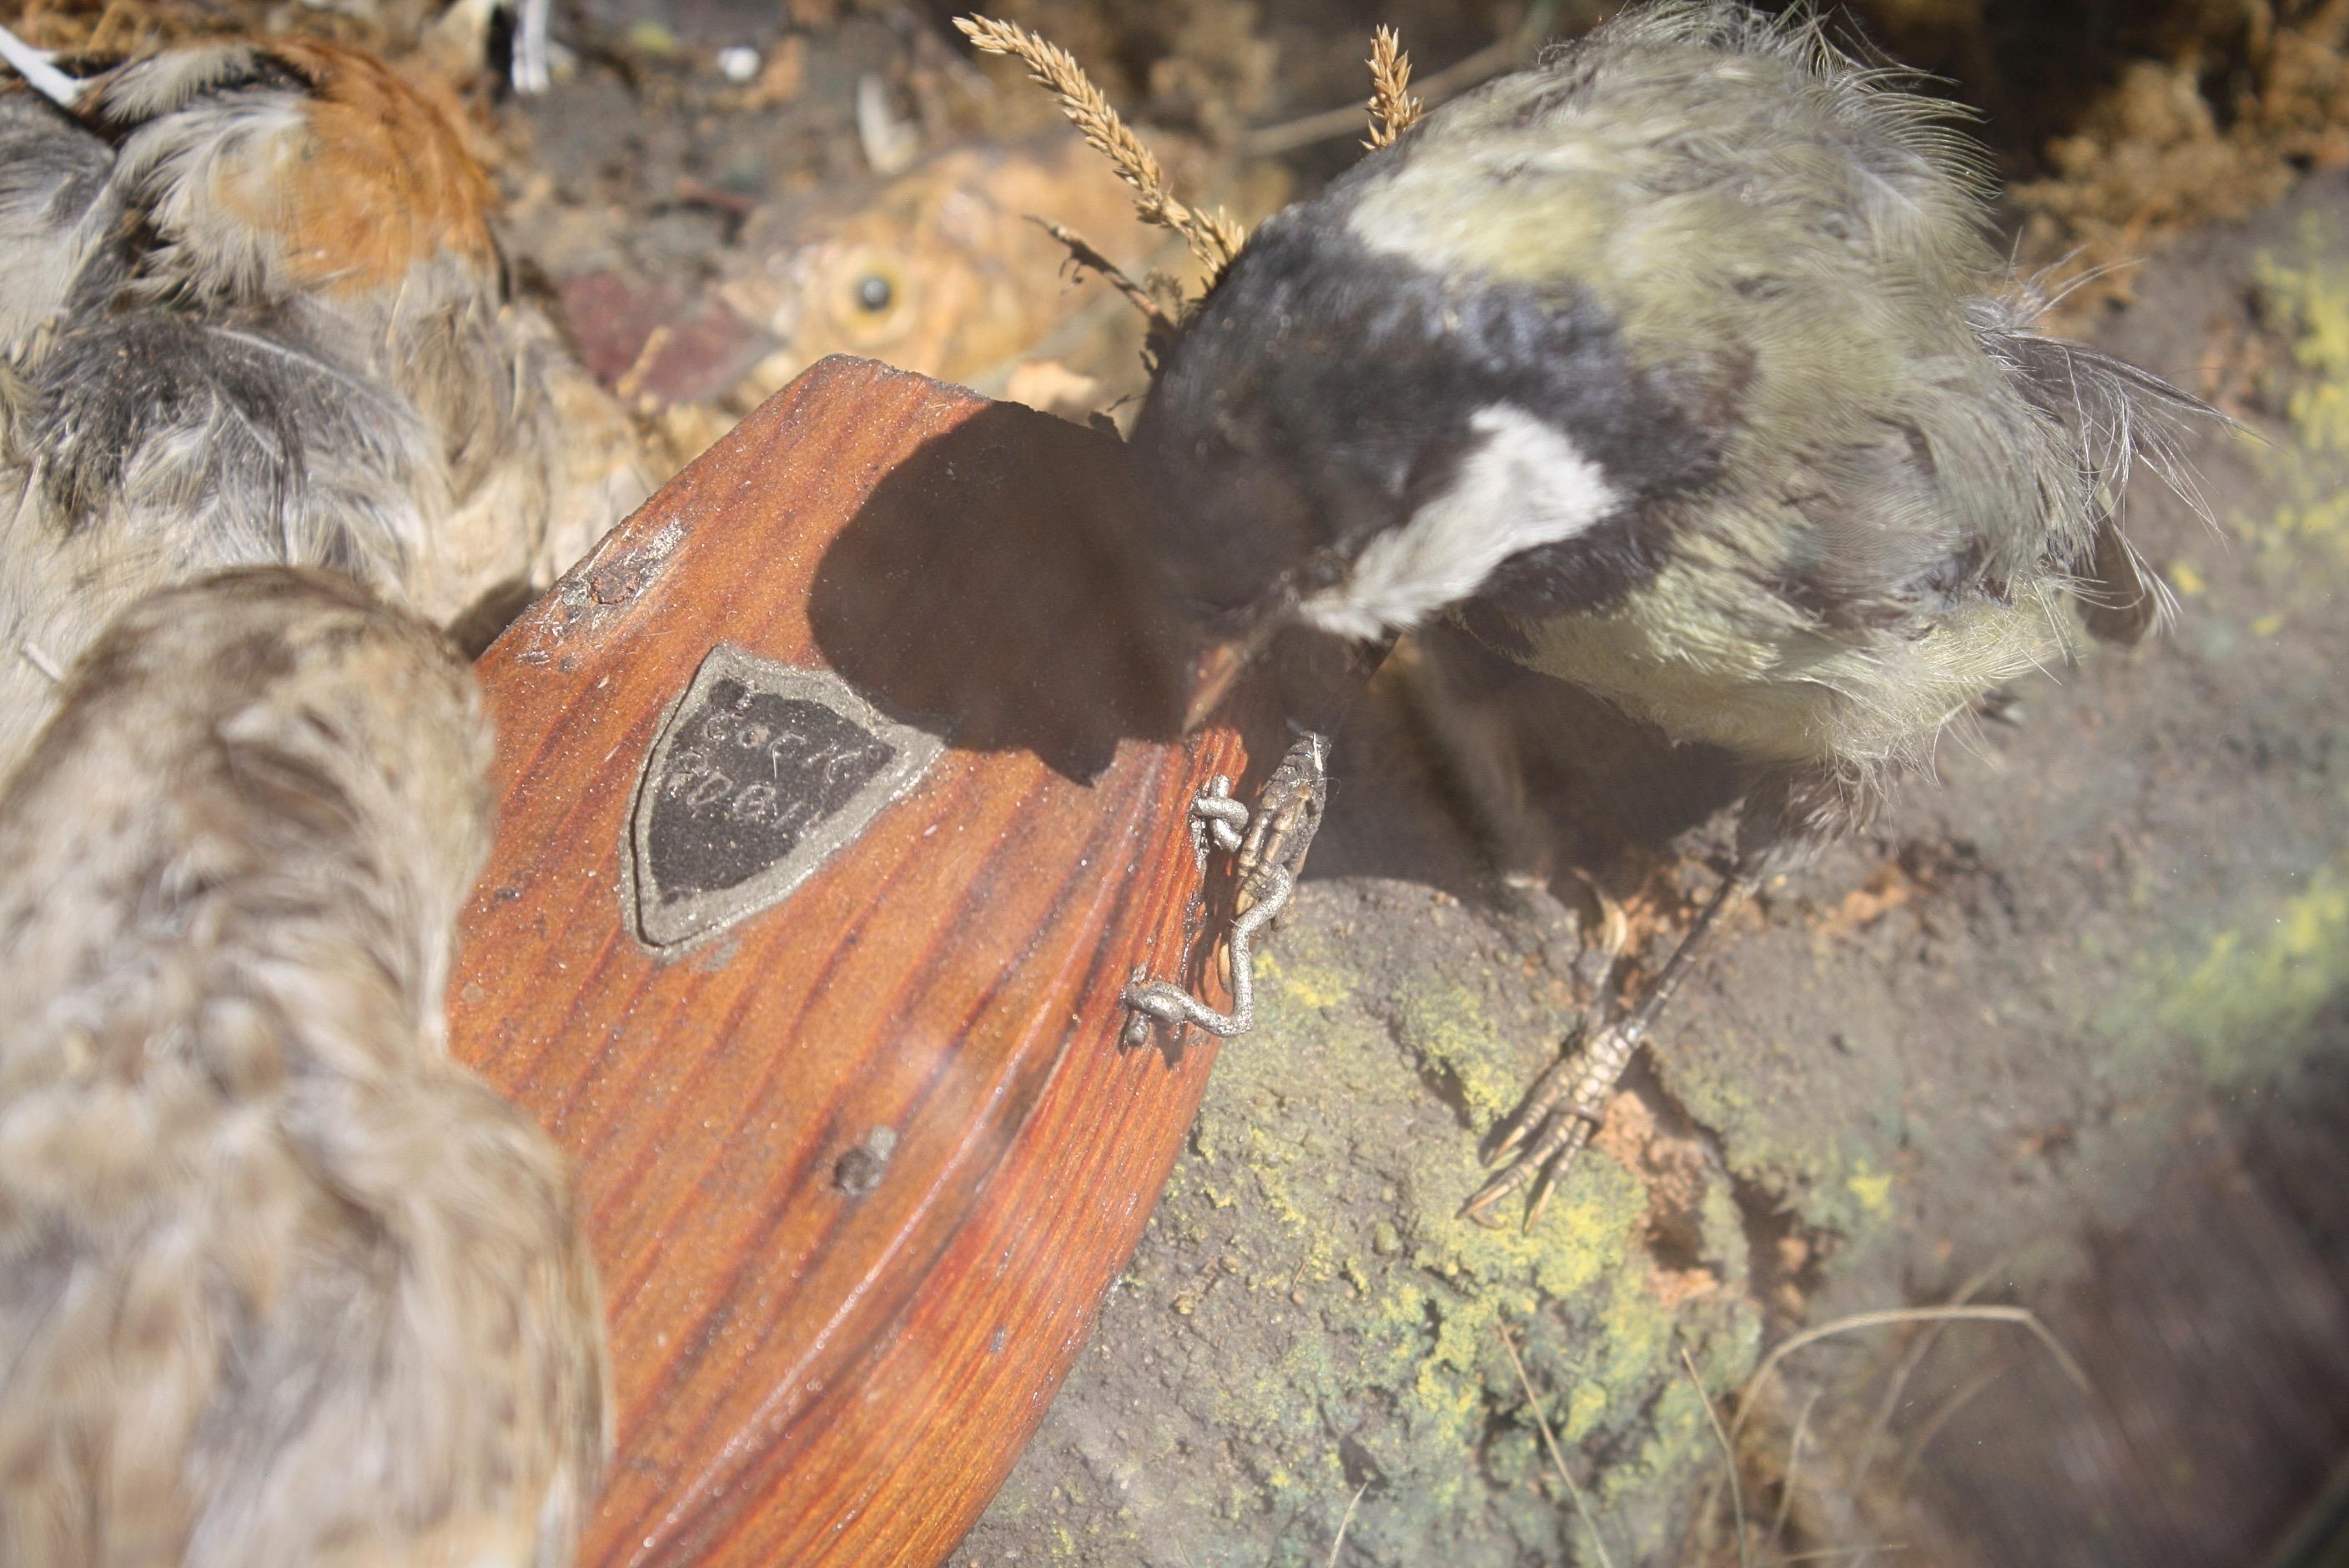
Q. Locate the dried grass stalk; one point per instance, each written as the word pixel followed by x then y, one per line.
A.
pixel 1392 109
pixel 1549 1442
pixel 1083 255
pixel 1213 236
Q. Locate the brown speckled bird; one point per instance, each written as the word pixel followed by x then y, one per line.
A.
pixel 279 1282
pixel 252 311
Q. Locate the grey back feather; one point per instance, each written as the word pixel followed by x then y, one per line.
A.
pixel 58 206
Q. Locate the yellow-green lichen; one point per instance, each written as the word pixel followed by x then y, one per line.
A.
pixel 1450 1033
pixel 1304 984
pixel 1829 1178
pixel 1343 1294
pixel 2307 297
pixel 2245 998
pixel 2312 298
pixel 1873 1188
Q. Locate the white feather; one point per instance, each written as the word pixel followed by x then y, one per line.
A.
pixel 33 64
pixel 1526 484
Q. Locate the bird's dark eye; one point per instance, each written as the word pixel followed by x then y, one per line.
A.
pixel 874 293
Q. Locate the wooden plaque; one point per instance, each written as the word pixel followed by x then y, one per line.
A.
pixel 841 790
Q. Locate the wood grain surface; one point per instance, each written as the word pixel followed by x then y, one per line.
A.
pixel 824 1353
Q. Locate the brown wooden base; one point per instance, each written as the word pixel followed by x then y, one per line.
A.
pixel 859 1167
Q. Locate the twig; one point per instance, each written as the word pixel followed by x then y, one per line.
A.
pixel 1339 1544
pixel 1557 1459
pixel 34 65
pixel 36 655
pixel 1081 253
pixel 1966 1395
pixel 1793 1470
pixel 1392 109
pixel 1728 1460
pixel 1213 236
pixel 1881 1422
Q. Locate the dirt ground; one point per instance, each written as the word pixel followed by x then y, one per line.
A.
pixel 2069 1032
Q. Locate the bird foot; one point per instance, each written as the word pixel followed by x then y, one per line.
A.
pixel 1288 816
pixel 1557 1117
pixel 1270 843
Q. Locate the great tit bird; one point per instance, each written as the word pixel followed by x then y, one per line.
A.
pixel 1679 366
pixel 252 311
pixel 280 1282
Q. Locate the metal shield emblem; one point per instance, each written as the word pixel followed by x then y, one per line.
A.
pixel 760 772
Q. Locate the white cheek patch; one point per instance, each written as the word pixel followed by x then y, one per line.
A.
pixel 1524 484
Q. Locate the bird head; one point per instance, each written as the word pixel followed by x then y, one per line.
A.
pixel 1343 438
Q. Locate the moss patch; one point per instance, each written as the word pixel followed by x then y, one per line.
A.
pixel 1349 1323
pixel 2303 521
pixel 2243 999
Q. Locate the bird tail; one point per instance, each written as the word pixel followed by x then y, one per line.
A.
pixel 2117 416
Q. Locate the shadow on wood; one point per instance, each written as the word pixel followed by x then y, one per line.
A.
pixel 859 1166
pixel 1025 628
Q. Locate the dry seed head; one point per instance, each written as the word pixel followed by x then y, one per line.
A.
pixel 1213 236
pixel 1392 109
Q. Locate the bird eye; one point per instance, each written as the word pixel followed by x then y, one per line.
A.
pixel 869 300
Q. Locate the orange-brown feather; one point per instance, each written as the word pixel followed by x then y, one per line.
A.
pixel 385 182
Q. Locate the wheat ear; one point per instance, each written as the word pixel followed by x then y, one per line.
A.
pixel 1213 236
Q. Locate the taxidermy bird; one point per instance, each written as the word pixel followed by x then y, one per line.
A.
pixel 251 312
pixel 1680 367
pixel 279 1282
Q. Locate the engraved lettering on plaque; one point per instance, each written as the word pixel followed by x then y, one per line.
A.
pixel 760 773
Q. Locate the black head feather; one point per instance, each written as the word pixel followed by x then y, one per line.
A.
pixel 1324 393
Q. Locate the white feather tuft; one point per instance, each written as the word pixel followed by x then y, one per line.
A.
pixel 1524 484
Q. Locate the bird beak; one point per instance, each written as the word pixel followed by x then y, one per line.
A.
pixel 1219 668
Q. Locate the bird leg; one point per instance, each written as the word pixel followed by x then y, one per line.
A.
pixel 1270 843
pixel 1568 1101
pixel 1288 816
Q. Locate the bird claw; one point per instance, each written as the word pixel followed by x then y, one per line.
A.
pixel 1550 1126
pixel 1270 844
pixel 1288 816
pixel 1543 1164
pixel 1590 1066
